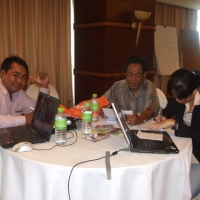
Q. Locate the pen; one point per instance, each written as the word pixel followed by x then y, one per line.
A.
pixel 160 114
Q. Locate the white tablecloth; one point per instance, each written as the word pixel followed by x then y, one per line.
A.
pixel 44 175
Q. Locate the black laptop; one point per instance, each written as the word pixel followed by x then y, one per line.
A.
pixel 136 144
pixel 41 126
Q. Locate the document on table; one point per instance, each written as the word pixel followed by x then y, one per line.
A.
pixel 128 112
pixel 109 112
pixel 112 118
pixel 150 136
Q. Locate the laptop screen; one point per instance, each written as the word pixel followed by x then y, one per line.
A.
pixel 123 121
pixel 44 114
pixel 123 124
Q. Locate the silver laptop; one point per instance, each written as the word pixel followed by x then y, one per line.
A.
pixel 136 144
pixel 41 126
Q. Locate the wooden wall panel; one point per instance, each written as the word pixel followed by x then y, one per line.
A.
pixel 92 84
pixel 189 49
pixel 104 40
pixel 111 10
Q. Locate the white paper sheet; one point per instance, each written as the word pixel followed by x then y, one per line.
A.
pixel 109 113
pixel 129 112
pixel 166 50
pixel 150 136
pixel 112 118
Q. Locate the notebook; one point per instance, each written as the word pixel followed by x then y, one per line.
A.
pixel 136 144
pixel 41 126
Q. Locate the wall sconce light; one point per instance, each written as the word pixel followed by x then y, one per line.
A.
pixel 141 16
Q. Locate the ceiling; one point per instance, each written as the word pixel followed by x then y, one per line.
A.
pixel 192 4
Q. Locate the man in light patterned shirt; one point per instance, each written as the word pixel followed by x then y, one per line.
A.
pixel 14 102
pixel 135 93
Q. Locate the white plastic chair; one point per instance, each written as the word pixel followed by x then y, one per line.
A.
pixel 33 90
pixel 162 98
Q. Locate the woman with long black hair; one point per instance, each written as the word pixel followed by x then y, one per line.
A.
pixel 184 86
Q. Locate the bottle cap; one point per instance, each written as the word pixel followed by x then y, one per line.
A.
pixel 60 109
pixel 86 103
pixel 94 95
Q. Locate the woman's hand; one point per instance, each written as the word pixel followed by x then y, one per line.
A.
pixel 162 124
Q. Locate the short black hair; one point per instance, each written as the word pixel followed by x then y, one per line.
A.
pixel 6 64
pixel 183 82
pixel 136 60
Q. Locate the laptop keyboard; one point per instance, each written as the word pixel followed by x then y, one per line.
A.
pixel 148 144
pixel 21 133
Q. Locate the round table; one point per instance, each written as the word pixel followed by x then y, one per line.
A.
pixel 44 175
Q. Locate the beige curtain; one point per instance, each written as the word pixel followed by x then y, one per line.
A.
pixel 181 18
pixel 39 32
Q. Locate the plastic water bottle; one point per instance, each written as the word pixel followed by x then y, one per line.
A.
pixel 60 127
pixel 95 108
pixel 86 127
